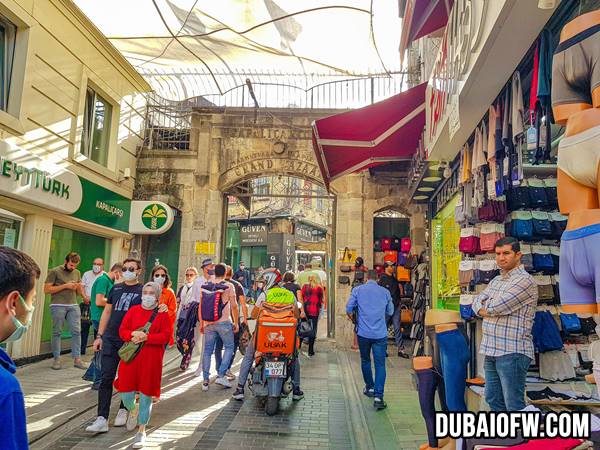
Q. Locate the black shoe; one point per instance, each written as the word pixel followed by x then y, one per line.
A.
pixel 238 394
pixel 403 354
pixel 95 387
pixel 369 392
pixel 311 353
pixel 379 404
pixel 298 395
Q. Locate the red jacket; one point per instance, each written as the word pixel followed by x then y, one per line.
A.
pixel 144 373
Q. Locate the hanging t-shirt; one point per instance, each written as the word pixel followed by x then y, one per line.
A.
pixel 517 107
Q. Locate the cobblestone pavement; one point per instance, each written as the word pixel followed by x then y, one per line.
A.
pixel 333 415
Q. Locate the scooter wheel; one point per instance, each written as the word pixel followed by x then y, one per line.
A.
pixel 272 406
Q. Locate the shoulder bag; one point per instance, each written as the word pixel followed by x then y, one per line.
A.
pixel 129 349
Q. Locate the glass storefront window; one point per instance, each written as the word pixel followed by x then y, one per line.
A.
pixel 10 229
pixel 87 245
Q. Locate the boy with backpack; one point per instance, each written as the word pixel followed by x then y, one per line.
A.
pixel 218 315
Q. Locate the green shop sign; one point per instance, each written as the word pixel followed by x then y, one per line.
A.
pixel 103 207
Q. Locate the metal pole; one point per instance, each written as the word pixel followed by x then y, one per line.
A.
pixel 332 273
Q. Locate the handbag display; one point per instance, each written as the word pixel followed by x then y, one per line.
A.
pixel 129 349
pixel 405 315
pixel 345 268
pixel 403 274
pixel 344 279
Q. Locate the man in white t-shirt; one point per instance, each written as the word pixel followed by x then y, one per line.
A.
pixel 90 276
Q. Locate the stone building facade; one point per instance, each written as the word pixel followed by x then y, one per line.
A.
pixel 229 147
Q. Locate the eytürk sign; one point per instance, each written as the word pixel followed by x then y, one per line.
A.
pixel 24 176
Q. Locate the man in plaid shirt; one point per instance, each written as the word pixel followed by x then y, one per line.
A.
pixel 507 307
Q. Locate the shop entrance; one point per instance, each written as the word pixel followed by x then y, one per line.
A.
pixel 63 241
pixel 282 222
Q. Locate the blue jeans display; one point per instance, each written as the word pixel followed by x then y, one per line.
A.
pixel 397 328
pixel 72 315
pixel 248 360
pixel 378 347
pixel 454 356
pixel 428 381
pixel 505 381
pixel 128 399
pixel 223 330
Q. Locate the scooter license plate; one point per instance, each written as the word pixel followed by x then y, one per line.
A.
pixel 275 369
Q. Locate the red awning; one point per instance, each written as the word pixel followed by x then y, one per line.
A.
pixel 422 17
pixel 383 132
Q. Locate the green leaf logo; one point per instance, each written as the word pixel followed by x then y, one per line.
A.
pixel 154 217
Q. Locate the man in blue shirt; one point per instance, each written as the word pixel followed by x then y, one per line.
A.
pixel 18 275
pixel 372 303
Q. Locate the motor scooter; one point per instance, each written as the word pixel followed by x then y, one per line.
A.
pixel 277 351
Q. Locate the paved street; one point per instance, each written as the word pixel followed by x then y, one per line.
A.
pixel 60 405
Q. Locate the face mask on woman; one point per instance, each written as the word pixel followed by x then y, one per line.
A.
pixel 149 301
pixel 160 279
pixel 129 276
pixel 20 328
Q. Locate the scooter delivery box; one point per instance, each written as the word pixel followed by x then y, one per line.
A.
pixel 276 329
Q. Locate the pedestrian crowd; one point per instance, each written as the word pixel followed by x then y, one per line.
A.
pixel 134 322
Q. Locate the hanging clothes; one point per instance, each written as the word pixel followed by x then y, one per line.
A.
pixel 533 97
pixel 465 168
pixel 518 129
pixel 491 152
pixel 544 86
pixel 479 163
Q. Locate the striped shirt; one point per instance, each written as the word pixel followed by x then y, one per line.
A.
pixel 510 301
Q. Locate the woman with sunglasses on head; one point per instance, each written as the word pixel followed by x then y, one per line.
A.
pixel 160 275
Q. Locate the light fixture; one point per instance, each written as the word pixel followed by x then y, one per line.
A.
pixel 420 197
pixel 425 189
pixel 546 4
pixel 433 179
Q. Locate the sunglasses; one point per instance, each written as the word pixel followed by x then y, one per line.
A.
pixel 129 269
pixel 190 274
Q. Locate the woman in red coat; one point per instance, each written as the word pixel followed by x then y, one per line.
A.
pixel 143 374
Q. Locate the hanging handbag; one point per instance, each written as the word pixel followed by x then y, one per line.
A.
pixel 345 268
pixel 129 349
pixel 344 279
pixel 405 315
pixel 85 313
pixel 245 337
pixel 306 330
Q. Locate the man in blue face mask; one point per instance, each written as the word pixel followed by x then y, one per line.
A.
pixel 18 275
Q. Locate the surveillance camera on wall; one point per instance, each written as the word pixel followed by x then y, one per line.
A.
pixel 126 173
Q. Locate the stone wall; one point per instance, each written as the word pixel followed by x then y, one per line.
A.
pixel 229 147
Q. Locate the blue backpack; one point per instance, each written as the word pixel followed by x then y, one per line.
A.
pixel 211 306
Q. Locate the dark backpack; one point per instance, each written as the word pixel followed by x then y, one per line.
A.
pixel 395 245
pixel 211 307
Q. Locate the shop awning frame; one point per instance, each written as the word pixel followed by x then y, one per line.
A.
pixel 386 144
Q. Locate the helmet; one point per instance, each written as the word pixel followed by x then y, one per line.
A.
pixel 359 262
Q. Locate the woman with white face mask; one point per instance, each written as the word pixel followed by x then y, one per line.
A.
pixel 143 374
pixel 160 275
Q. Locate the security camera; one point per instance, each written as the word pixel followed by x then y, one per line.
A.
pixel 126 173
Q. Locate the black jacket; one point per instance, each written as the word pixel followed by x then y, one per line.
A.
pixel 391 284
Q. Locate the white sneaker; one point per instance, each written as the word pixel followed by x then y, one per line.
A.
pixel 223 382
pixel 132 419
pixel 100 425
pixel 121 418
pixel 205 386
pixel 140 440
